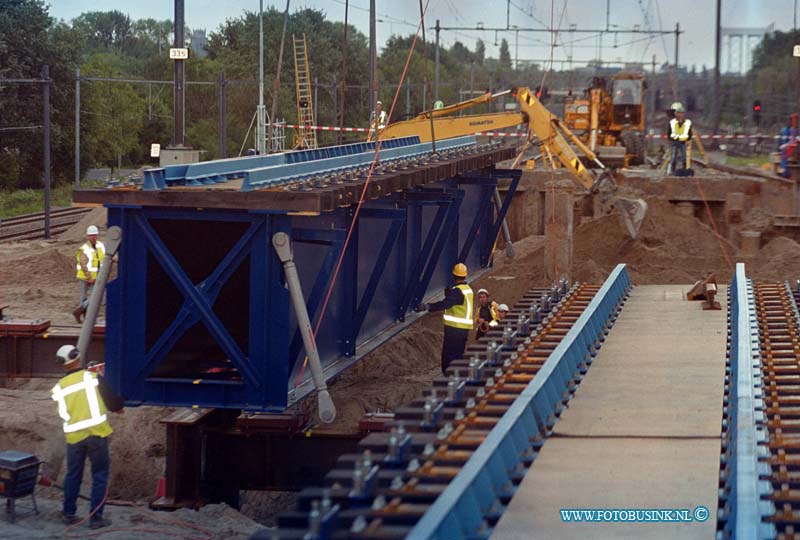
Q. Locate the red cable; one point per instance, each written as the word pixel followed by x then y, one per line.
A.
pixel 378 143
pixel 713 222
pixel 207 535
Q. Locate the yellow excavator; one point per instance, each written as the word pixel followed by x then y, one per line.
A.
pixel 544 129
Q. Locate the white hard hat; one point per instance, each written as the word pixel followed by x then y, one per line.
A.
pixel 91 229
pixel 380 102
pixel 67 353
pixel 502 307
pixel 677 106
pixel 483 291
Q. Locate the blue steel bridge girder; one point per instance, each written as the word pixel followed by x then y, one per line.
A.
pixel 199 313
pixel 488 185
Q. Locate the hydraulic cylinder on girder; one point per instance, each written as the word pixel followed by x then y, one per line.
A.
pixel 282 245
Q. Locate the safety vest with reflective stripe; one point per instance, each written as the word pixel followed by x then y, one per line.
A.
pixel 680 132
pixel 81 407
pixel 460 315
pixel 95 256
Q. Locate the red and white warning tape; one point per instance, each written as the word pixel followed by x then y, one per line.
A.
pixel 522 133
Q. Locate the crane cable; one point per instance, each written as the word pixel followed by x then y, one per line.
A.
pixel 354 221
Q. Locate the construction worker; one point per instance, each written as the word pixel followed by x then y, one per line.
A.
pixel 83 399
pixel 502 312
pixel 457 306
pixel 88 259
pixel 380 123
pixel 680 132
pixel 487 314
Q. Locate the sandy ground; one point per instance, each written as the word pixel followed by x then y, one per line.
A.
pixel 37 279
pixel 212 522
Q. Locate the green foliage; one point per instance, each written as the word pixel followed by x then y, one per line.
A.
pixel 29 38
pixel 123 119
pixel 505 55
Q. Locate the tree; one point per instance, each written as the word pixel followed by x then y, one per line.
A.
pixel 480 51
pixel 505 55
pixel 116 112
pixel 106 30
pixel 30 38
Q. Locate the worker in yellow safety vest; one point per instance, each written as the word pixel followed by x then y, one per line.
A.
pixel 458 316
pixel 83 399
pixel 487 314
pixel 87 262
pixel 680 132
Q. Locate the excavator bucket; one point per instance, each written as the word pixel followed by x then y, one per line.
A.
pixel 632 212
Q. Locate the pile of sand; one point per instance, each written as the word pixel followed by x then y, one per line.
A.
pixel 211 522
pixel 30 423
pixel 37 280
pixel 77 233
pixel 778 260
pixel 670 248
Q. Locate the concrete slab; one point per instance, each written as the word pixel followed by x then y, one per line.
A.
pixel 660 373
pixel 614 473
pixel 642 431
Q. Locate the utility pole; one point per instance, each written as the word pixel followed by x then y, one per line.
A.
pixel 277 84
pixel 408 97
pixel 717 84
pixel 179 95
pixel 222 127
pixel 77 128
pixel 372 60
pixel 436 70
pixel 677 39
pixel 261 116
pixel 344 73
pixel 316 99
pixel 46 122
pixel 508 14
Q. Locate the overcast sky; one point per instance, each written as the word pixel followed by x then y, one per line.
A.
pixel 696 17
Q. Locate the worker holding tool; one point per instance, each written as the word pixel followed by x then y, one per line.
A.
pixel 88 259
pixel 680 132
pixel 457 306
pixel 487 314
pixel 83 399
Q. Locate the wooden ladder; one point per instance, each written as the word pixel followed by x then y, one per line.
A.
pixel 306 137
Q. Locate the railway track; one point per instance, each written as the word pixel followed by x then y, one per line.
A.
pixel 453 457
pixel 31 226
pixel 760 471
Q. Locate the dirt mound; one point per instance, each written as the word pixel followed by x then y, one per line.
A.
pixel 31 423
pixel 757 219
pixel 778 260
pixel 670 248
pixel 77 233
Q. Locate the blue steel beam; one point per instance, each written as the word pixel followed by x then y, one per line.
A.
pixel 277 175
pixel 189 315
pixel 449 225
pixel 458 513
pixel 412 285
pixel 220 170
pixel 335 239
pixel 398 219
pixel 487 194
pixel 745 503
pixel 501 215
pixel 191 293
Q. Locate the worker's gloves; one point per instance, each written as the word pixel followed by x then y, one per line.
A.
pixel 421 307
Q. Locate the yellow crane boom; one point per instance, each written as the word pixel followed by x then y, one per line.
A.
pixel 549 131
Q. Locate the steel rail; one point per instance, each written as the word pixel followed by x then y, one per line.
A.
pixel 454 456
